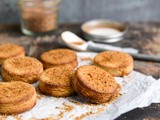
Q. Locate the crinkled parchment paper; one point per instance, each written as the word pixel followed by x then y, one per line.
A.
pixel 138 90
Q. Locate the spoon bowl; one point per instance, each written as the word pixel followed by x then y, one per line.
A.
pixel 73 41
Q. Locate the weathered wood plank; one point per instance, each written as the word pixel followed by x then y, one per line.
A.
pixel 143 36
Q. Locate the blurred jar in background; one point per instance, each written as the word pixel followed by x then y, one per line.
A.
pixel 38 17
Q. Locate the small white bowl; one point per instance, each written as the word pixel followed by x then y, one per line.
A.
pixel 116 29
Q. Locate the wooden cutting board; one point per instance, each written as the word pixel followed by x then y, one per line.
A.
pixel 143 36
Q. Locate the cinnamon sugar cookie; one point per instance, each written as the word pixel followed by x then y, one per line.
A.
pixel 59 57
pixel 116 63
pixel 10 50
pixel 56 82
pixel 26 69
pixel 16 97
pixel 94 84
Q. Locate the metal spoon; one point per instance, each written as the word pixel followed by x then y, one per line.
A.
pixel 76 43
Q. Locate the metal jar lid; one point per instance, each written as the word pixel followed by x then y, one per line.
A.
pixel 102 23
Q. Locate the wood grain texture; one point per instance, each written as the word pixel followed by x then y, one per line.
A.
pixel 82 10
pixel 143 36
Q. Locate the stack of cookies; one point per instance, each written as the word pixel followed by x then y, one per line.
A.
pixel 17 95
pixel 60 77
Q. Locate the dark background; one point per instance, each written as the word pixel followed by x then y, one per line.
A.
pixel 74 11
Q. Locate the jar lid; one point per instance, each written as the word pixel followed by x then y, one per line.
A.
pixel 101 30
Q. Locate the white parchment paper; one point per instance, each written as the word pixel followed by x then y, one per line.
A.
pixel 138 90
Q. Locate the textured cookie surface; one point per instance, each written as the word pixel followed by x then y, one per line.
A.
pixel 56 82
pixel 10 50
pixel 59 57
pixel 96 79
pixel 116 63
pixel 94 83
pixel 25 69
pixel 16 97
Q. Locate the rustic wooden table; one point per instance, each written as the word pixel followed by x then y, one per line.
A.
pixel 142 36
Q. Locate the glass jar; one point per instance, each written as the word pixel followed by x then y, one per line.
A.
pixel 38 17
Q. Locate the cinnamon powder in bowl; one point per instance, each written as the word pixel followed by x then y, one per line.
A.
pixel 102 30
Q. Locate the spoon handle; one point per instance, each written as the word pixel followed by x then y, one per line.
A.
pixel 137 56
pixel 153 58
pixel 104 47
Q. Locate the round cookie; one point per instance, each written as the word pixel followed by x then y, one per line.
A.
pixel 56 82
pixel 26 69
pixel 59 57
pixel 16 97
pixel 10 50
pixel 94 83
pixel 116 63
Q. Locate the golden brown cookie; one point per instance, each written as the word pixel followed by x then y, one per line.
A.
pixel 26 69
pixel 16 97
pixel 56 82
pixel 94 83
pixel 59 57
pixel 116 63
pixel 10 50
